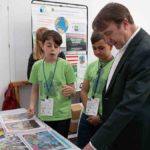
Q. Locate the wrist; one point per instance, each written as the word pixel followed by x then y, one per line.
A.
pixel 73 92
pixel 99 118
pixel 31 106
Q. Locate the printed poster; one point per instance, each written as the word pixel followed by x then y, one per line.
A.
pixel 14 121
pixel 13 142
pixel 71 22
pixel 47 139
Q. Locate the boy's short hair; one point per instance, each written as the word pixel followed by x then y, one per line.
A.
pixel 95 37
pixel 51 34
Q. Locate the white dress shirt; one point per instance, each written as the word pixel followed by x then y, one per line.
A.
pixel 118 58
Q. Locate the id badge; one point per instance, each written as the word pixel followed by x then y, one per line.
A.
pixel 47 107
pixel 92 106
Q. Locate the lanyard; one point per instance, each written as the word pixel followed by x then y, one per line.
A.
pixel 49 87
pixel 95 85
pixel 99 74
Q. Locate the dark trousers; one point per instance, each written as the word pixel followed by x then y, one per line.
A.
pixel 62 127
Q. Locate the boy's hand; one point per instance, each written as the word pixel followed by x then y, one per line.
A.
pixel 68 90
pixel 30 112
pixel 94 120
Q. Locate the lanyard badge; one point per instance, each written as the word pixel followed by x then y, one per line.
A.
pixel 92 106
pixel 47 106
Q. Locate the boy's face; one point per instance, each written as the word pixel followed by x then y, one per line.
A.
pixel 102 50
pixel 51 50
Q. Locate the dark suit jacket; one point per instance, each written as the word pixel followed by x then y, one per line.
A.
pixel 126 103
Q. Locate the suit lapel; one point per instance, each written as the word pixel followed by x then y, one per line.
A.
pixel 131 47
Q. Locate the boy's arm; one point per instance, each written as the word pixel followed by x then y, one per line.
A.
pixel 84 92
pixel 33 99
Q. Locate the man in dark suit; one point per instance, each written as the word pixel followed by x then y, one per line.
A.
pixel 126 100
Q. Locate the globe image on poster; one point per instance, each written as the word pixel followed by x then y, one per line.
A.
pixel 61 24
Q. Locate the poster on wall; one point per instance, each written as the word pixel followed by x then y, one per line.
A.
pixel 70 20
pixel 79 63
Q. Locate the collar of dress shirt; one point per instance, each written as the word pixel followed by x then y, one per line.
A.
pixel 118 57
pixel 129 40
pixel 92 146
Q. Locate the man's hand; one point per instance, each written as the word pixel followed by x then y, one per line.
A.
pixel 88 147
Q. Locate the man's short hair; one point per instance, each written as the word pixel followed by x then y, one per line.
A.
pixel 112 12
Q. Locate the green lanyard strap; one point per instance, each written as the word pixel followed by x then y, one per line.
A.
pixel 47 86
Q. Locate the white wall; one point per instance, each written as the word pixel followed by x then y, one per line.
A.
pixel 15 29
pixel 4 48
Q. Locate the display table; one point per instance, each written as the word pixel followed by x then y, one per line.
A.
pixel 17 131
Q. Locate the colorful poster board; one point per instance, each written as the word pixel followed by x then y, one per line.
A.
pixel 71 21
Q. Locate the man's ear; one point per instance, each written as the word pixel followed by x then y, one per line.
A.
pixel 125 22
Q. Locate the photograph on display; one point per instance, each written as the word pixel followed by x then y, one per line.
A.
pixel 2 132
pixel 12 142
pixel 76 42
pixel 22 125
pixel 44 140
pixel 17 121
pixel 13 115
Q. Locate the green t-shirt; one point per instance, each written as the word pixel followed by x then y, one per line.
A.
pixel 91 75
pixel 64 75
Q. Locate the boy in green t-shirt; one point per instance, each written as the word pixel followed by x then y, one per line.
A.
pixel 91 94
pixel 52 81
